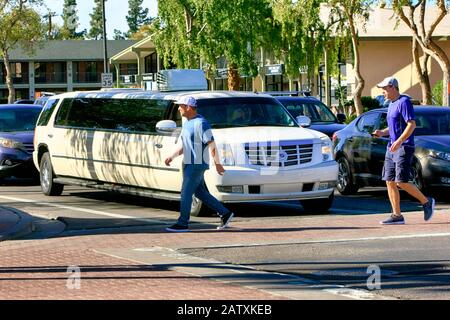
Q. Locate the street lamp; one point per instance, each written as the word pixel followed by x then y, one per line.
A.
pixel 105 48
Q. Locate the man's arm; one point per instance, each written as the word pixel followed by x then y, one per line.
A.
pixel 410 127
pixel 212 146
pixel 177 153
pixel 381 133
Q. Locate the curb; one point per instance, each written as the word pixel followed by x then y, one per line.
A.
pixel 22 228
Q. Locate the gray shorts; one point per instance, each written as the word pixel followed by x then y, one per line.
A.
pixel 397 165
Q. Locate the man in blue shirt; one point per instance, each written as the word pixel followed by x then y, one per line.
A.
pixel 196 137
pixel 400 151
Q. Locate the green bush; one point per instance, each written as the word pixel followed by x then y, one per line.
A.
pixel 369 103
pixel 436 93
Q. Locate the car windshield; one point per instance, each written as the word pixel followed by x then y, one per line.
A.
pixel 243 112
pixel 315 110
pixel 428 123
pixel 20 119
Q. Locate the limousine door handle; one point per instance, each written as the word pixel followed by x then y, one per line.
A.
pixel 158 145
pixel 50 135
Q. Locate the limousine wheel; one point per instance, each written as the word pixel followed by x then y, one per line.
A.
pixel 198 209
pixel 49 188
pixel 318 205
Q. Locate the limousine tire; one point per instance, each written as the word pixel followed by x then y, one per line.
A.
pixel 318 205
pixel 345 183
pixel 198 209
pixel 49 188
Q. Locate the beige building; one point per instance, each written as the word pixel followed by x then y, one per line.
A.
pixel 386 50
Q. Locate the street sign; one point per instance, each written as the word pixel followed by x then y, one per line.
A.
pixel 274 69
pixel 107 80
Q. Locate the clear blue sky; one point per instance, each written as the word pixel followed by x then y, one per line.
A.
pixel 116 12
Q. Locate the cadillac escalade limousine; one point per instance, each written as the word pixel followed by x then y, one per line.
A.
pixel 118 140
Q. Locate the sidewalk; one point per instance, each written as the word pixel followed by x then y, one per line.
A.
pixel 148 263
pixel 14 223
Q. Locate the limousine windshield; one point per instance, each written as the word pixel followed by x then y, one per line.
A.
pixel 243 112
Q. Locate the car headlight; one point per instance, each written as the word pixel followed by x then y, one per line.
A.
pixel 327 153
pixel 8 143
pixel 226 155
pixel 440 155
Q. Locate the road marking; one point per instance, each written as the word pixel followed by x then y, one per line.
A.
pixel 96 212
pixel 408 236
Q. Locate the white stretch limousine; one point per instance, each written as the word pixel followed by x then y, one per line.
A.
pixel 118 140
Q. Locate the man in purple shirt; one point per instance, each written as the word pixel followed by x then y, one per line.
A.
pixel 400 151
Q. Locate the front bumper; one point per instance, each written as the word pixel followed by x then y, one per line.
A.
pixel 435 172
pixel 274 185
pixel 16 162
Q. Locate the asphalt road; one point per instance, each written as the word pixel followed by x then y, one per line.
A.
pixel 411 267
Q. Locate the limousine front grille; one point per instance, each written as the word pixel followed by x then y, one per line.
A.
pixel 29 147
pixel 284 154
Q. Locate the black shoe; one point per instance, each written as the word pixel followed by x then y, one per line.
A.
pixel 393 219
pixel 428 209
pixel 226 219
pixel 177 228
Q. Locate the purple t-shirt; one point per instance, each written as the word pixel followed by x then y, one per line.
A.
pixel 399 113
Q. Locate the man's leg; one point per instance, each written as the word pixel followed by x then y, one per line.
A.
pixel 394 197
pixel 413 191
pixel 203 194
pixel 191 180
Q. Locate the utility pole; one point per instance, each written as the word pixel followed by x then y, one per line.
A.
pixel 49 16
pixel 105 48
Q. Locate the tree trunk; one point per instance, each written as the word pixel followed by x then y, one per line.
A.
pixel 9 80
pixel 422 73
pixel 233 77
pixel 359 79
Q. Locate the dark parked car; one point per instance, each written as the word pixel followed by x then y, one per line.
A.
pixel 17 124
pixel 322 118
pixel 361 156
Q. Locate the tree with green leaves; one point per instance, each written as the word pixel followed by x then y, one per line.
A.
pixel 20 25
pixel 96 30
pixel 353 11
pixel 137 16
pixel 209 29
pixel 423 35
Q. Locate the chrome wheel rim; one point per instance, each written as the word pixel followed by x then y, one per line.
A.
pixel 45 176
pixel 343 176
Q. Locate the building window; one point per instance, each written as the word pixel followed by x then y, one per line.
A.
pixel 87 71
pixel 19 73
pixel 50 72
pixel 127 69
pixel 151 63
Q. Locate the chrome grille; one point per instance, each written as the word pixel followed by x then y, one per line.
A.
pixel 284 154
pixel 29 147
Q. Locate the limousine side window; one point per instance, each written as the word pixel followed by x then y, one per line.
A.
pixel 47 112
pixel 130 115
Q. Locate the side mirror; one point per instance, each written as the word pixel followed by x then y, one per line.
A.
pixel 341 117
pixel 303 121
pixel 166 126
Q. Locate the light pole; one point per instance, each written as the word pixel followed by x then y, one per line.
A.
pixel 105 48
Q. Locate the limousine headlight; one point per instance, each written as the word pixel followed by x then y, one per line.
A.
pixel 8 143
pixel 440 155
pixel 226 155
pixel 327 154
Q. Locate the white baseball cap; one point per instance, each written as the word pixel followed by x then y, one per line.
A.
pixel 389 81
pixel 187 100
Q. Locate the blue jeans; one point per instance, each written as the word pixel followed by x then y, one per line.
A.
pixel 194 184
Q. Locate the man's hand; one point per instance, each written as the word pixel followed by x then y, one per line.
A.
pixel 220 169
pixel 168 161
pixel 378 133
pixel 397 144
